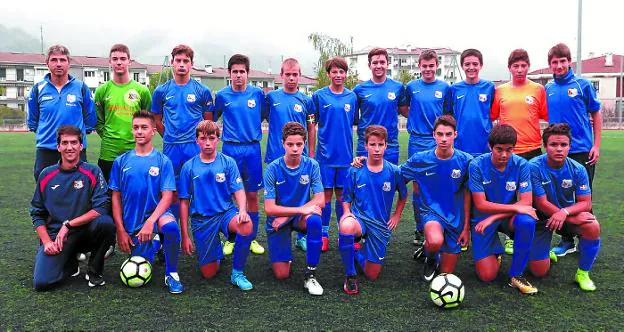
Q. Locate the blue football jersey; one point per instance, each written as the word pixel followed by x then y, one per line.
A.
pixel 182 108
pixel 561 186
pixel 427 101
pixel 378 104
pixel 441 184
pixel 285 107
pixel 498 187
pixel 335 115
pixel 242 114
pixel 292 187
pixel 209 186
pixel 470 104
pixel 141 180
pixel 371 194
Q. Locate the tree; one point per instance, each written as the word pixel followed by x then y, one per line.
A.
pixel 329 47
pixel 404 76
pixel 155 78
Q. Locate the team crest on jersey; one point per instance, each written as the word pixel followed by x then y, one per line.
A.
pixel 572 92
pixel 438 94
pixel 190 98
pixel 78 184
pixel 456 173
pixel 566 183
pixel 386 186
pixel 298 108
pixel 524 184
pixel 131 97
pixel 251 103
pixel 220 177
pixel 304 179
pixel 347 107
pixel 71 98
pixel 482 97
pixel 154 171
pixel 529 100
pixel 510 186
pixel 391 96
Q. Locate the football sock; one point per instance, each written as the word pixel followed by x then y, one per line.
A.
pixel 241 251
pixel 588 250
pixel 313 227
pixel 339 210
pixel 171 246
pixel 327 210
pixel 345 246
pixel 524 229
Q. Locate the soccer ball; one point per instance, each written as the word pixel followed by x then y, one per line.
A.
pixel 447 290
pixel 136 271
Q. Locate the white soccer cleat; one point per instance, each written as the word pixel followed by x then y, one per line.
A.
pixel 312 285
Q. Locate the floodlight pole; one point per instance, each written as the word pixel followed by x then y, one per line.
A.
pixel 579 56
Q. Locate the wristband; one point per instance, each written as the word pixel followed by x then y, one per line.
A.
pixel 67 224
pixel 566 211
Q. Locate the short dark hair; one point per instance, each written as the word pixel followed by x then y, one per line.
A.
pixel 57 49
pixel 141 114
pixel 502 134
pixel 238 59
pixel 207 127
pixel 560 50
pixel 428 55
pixel 119 48
pixel 377 51
pixel 182 49
pixel 291 129
pixel 562 129
pixel 337 62
pixel 377 131
pixel 518 55
pixel 68 130
pixel 445 120
pixel 470 52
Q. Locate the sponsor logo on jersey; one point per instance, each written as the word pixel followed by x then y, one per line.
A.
pixel 277 183
pixel 347 107
pixel 154 171
pixel 55 186
pixel 566 183
pixel 438 94
pixel 524 184
pixel 251 103
pixel 572 92
pixel 510 186
pixel 78 184
pixel 304 179
pixel 220 177
pixel 529 100
pixel 239 180
pixel 71 98
pixel 583 187
pixel 487 181
pixel 227 104
pixel 386 186
pixel 361 185
pixel 391 96
pixel 482 97
pixel 44 98
pixel 456 173
pixel 298 108
pixel 460 97
pixel 190 98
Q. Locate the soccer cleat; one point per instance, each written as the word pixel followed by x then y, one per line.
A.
pixel 553 257
pixel 228 248
pixel 77 273
pixel 509 246
pixel 419 255
pixel 302 244
pixel 172 281
pixel 255 248
pixel 429 270
pixel 325 245
pixel 419 239
pixel 351 285
pixel 109 252
pixel 94 279
pixel 583 280
pixel 81 257
pixel 464 249
pixel 312 285
pixel 564 247
pixel 239 280
pixel 523 285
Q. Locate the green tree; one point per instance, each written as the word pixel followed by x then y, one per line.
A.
pixel 159 78
pixel 404 76
pixel 329 47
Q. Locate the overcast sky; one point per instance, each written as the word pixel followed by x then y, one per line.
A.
pixel 271 29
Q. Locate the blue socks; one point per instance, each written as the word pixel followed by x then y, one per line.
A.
pixel 241 251
pixel 524 229
pixel 326 216
pixel 339 210
pixel 588 250
pixel 171 246
pixel 314 230
pixel 345 246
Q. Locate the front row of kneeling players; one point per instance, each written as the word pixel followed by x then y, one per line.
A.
pixel 459 197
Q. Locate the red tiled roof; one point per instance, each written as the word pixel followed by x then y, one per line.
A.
pixel 590 66
pixel 39 59
pixel 413 51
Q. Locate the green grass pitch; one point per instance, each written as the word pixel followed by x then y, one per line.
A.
pixel 397 301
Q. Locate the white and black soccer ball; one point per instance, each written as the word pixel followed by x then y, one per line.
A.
pixel 447 290
pixel 136 271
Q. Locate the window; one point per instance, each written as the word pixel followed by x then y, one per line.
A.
pixel 596 85
pixel 106 76
pixel 136 76
pixel 89 73
pixel 20 74
pixel 2 74
pixel 254 83
pixel 20 91
pixel 438 72
pixel 265 84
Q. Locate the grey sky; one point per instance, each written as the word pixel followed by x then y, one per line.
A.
pixel 271 29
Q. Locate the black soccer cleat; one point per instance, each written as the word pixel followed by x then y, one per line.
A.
pixel 430 268
pixel 95 279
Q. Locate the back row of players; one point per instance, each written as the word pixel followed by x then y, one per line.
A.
pixel 208 183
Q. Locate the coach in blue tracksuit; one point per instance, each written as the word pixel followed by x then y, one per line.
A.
pixel 58 100
pixel 69 212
